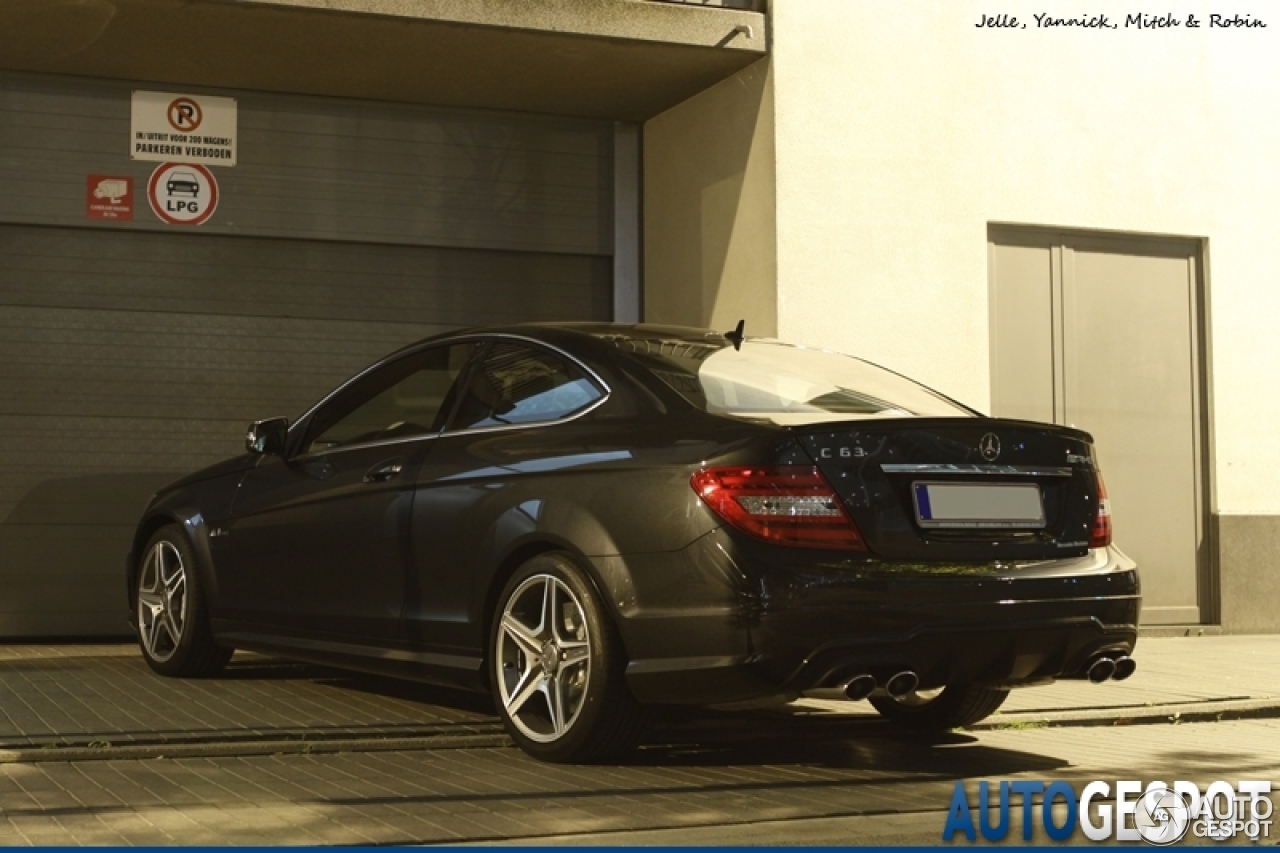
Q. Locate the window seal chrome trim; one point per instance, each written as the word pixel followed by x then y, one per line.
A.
pixel 988 470
pixel 604 386
pixel 444 431
pixel 556 422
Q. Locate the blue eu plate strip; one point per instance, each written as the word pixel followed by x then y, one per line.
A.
pixel 922 502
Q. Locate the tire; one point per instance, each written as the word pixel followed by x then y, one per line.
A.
pixel 170 613
pixel 954 706
pixel 557 677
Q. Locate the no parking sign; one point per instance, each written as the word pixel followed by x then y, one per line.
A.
pixel 182 193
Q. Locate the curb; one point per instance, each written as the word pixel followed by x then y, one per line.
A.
pixel 1207 711
pixel 134 751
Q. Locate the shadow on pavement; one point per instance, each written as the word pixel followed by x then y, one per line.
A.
pixel 691 737
pixel 679 736
pixel 117 700
pixel 409 691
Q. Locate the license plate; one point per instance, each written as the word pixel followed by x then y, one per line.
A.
pixel 970 505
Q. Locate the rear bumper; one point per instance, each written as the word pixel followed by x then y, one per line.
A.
pixel 761 621
pixel 1017 644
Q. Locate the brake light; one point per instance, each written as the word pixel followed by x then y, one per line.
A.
pixel 1101 535
pixel 782 504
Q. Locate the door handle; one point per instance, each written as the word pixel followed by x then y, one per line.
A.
pixel 384 471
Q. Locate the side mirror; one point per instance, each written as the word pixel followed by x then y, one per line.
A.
pixel 266 436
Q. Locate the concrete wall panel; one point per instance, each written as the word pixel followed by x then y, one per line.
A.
pixel 710 233
pixel 903 131
pixel 1248 548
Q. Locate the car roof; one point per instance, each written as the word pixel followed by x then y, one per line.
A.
pixel 552 332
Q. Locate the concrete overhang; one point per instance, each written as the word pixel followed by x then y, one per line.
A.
pixel 617 59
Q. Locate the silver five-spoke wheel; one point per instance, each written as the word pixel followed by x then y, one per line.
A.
pixel 557 665
pixel 162 601
pixel 170 610
pixel 544 658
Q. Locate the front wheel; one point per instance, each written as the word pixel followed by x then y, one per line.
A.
pixel 170 612
pixel 557 665
pixel 950 707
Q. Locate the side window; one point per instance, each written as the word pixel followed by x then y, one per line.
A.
pixel 410 396
pixel 520 384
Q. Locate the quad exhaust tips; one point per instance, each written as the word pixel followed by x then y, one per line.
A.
pixel 860 687
pixel 1103 668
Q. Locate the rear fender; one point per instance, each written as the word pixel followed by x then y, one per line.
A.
pixel 523 532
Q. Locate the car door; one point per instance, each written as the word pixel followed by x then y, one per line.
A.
pixel 318 536
pixel 507 428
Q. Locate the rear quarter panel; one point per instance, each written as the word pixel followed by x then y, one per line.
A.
pixel 488 501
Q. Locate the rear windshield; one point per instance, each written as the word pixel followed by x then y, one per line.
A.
pixel 785 384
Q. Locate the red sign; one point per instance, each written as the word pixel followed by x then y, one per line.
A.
pixel 182 193
pixel 110 197
pixel 185 115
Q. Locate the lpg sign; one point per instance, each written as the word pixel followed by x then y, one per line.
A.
pixel 182 193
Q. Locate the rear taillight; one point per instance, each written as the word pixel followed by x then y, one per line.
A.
pixel 782 504
pixel 1101 535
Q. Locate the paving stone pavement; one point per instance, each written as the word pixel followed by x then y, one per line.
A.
pixel 794 775
pixel 69 696
pixel 450 796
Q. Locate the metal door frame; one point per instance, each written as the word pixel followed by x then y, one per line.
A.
pixel 1062 244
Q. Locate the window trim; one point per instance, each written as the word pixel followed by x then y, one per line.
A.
pixel 482 340
pixel 606 391
pixel 405 352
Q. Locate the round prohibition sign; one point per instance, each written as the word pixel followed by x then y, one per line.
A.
pixel 184 115
pixel 182 193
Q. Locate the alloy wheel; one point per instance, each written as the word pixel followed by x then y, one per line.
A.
pixel 162 601
pixel 543 657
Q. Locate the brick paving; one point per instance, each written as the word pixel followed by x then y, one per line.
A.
pixel 499 794
pixel 768 776
pixel 84 695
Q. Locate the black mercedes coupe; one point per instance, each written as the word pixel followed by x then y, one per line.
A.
pixel 587 519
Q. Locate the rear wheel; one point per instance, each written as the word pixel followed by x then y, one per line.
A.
pixel 170 612
pixel 557 665
pixel 944 708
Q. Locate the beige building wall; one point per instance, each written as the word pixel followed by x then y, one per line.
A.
pixel 710 239
pixel 843 189
pixel 902 130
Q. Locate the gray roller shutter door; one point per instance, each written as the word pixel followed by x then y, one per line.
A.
pixel 328 169
pixel 127 359
pixel 130 354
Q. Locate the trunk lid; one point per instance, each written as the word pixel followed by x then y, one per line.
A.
pixel 961 489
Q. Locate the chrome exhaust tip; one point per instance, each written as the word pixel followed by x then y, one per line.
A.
pixel 902 684
pixel 859 687
pixel 1100 670
pixel 1125 667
